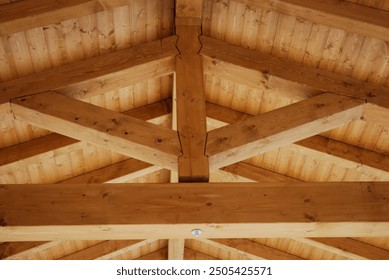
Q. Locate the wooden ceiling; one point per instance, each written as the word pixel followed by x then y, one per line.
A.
pixel 287 101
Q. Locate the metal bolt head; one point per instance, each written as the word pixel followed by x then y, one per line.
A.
pixel 197 232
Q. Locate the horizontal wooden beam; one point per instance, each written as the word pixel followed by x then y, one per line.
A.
pixel 289 70
pixel 27 14
pixel 136 211
pixel 110 130
pixel 339 14
pixel 101 74
pixel 286 125
pixel 345 155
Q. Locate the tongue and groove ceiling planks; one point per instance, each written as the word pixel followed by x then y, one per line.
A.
pixel 304 87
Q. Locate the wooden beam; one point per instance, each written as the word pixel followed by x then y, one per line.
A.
pixel 101 74
pixel 377 115
pixel 27 14
pixel 191 117
pixel 256 173
pixel 289 70
pixel 190 254
pixel 258 80
pixel 336 152
pixel 176 249
pixel 355 247
pixel 256 249
pixel 85 211
pixel 100 249
pixel 107 129
pixel 117 254
pixel 286 125
pixel 189 12
pixel 27 151
pixel 339 14
pixel 120 172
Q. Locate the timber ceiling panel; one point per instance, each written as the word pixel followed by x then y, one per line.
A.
pixel 86 52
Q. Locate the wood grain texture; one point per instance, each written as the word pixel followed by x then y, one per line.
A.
pixel 105 128
pixel 191 117
pixel 280 127
pixel 114 69
pixel 343 15
pixel 270 65
pixel 44 212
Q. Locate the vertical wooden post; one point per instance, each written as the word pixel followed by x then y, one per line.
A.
pixel 191 115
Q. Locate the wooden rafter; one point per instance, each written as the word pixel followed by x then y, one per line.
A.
pixel 27 14
pixel 339 14
pixel 111 130
pixel 191 116
pixel 84 211
pixel 28 151
pixel 256 249
pixel 340 153
pixel 99 74
pixel 317 78
pixel 286 125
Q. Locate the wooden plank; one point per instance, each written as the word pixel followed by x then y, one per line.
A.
pixel 239 210
pixel 49 143
pixel 256 249
pixel 355 247
pixel 337 152
pixel 101 73
pixel 377 115
pixel 105 128
pixel 339 14
pixel 27 14
pixel 190 254
pixel 257 174
pixel 161 254
pixel 116 173
pixel 98 250
pixel 189 12
pixel 270 65
pixel 286 125
pixel 125 250
pixel 176 249
pixel 9 249
pixel 191 117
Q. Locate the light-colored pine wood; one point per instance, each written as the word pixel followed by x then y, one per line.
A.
pixel 336 152
pixel 354 247
pixel 56 142
pixel 100 249
pixel 342 15
pixel 256 249
pixel 377 115
pixel 104 128
pixel 44 212
pixel 120 172
pixel 280 127
pixel 101 73
pixel 191 117
pixel 28 14
pixel 190 254
pixel 176 249
pixel 118 254
pixel 257 174
pixel 320 79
